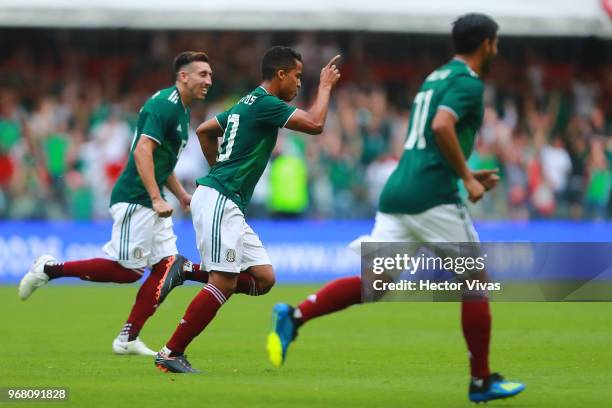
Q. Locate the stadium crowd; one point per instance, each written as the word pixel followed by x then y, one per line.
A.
pixel 69 99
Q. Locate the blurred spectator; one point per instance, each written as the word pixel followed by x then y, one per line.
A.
pixel 599 182
pixel 288 195
pixel 556 169
pixel 105 154
pixel 68 100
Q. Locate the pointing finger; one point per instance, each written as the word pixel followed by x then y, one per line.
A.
pixel 333 61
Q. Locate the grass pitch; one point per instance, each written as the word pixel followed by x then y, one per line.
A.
pixel 377 355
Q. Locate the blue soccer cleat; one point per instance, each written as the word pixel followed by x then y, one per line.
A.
pixel 492 388
pixel 284 331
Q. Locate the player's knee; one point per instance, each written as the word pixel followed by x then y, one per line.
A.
pixel 131 271
pixel 225 282
pixel 264 277
pixel 265 283
pixel 132 275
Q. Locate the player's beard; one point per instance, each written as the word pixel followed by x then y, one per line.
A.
pixel 486 65
pixel 289 96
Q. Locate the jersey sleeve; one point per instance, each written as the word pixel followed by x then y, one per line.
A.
pixel 272 111
pixel 463 97
pixel 158 121
pixel 222 119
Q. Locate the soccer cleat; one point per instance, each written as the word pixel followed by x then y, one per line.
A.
pixel 136 347
pixel 284 331
pixel 173 277
pixel 492 388
pixel 36 276
pixel 177 364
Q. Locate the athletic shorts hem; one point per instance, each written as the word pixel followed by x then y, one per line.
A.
pixel 246 266
pixel 220 268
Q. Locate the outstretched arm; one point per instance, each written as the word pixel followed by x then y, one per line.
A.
pixel 313 120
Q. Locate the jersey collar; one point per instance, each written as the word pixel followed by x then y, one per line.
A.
pixel 180 99
pixel 470 70
pixel 264 89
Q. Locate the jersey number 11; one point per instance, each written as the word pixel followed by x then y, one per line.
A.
pixel 416 135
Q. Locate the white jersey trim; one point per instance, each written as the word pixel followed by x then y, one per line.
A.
pixel 470 70
pixel 449 109
pixel 174 97
pixel 287 121
pixel 152 138
pixel 219 123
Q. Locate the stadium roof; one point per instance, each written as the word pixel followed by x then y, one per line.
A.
pixel 518 17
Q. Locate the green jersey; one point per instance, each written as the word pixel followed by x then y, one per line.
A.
pixel 250 129
pixel 423 178
pixel 165 120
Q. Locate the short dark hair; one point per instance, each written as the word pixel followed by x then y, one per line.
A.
pixel 277 58
pixel 470 30
pixel 187 57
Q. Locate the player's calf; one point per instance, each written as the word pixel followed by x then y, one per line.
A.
pixel 93 270
pixel 46 268
pixel 165 275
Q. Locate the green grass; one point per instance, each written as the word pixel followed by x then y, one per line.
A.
pixel 387 354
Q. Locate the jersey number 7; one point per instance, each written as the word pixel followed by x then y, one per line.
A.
pixel 229 136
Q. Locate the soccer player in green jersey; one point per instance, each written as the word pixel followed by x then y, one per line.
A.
pixel 227 244
pixel 420 202
pixel 142 235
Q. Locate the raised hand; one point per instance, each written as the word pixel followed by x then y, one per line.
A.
pixel 330 73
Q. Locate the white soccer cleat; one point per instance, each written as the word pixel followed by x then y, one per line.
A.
pixel 132 347
pixel 36 276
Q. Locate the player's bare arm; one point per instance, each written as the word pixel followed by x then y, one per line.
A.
pixel 143 157
pixel 209 133
pixel 443 126
pixel 175 186
pixel 313 120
